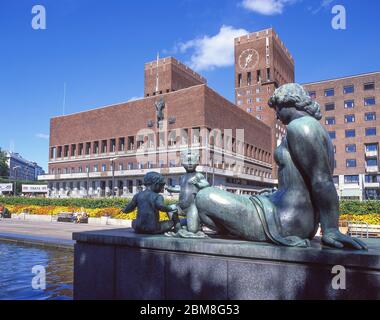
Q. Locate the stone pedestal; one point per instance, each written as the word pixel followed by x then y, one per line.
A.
pixel 118 264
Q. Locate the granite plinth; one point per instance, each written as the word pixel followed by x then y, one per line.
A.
pixel 119 264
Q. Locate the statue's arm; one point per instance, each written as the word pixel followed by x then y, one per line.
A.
pixel 131 205
pixel 173 189
pixel 160 205
pixel 310 154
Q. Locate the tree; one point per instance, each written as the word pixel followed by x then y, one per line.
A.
pixel 4 169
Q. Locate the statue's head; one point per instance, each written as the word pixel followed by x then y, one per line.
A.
pixel 190 160
pixel 290 98
pixel 154 181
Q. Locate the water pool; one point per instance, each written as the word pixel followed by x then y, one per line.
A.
pixel 16 264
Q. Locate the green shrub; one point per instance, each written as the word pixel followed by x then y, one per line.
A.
pixel 85 203
pixel 360 207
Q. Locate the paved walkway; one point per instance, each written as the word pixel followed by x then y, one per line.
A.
pixel 44 233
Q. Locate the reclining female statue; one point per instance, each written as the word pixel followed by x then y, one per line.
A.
pixel 306 197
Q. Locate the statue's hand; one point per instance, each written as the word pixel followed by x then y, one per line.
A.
pixel 334 238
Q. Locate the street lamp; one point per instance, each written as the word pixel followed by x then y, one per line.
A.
pixel 113 175
pixel 15 175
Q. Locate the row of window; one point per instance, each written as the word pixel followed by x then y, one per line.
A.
pixel 351 133
pixel 330 92
pixel 350 104
pixel 354 179
pixel 250 77
pixel 350 118
pixel 352 163
pixel 351 148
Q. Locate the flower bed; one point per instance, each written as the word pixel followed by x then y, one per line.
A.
pixel 114 213
pixel 372 219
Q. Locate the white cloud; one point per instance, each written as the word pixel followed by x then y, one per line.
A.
pixel 325 4
pixel 267 7
pixel 42 136
pixel 210 52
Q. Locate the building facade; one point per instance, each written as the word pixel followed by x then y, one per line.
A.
pixel 262 64
pixel 350 108
pixel 22 169
pixel 107 151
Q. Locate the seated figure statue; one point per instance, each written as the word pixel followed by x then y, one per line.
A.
pixel 306 197
pixel 149 203
pixel 187 191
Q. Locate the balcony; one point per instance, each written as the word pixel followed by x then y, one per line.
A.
pixel 372 185
pixel 371 154
pixel 372 169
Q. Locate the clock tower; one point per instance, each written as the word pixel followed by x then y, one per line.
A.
pixel 262 64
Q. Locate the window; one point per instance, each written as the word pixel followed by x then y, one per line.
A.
pixel 354 179
pixel 336 180
pixel 371 147
pixel 259 99
pixel 259 108
pixel 369 86
pixel 330 120
pixel 249 110
pixel 371 162
pixel 250 101
pixel 332 134
pixel 121 167
pixel 349 104
pixel 258 76
pixel 259 117
pixel 351 163
pixel 330 106
pixel 96 169
pixel 370 116
pixel 239 103
pixel 372 178
pixel 350 133
pixel 130 165
pixel 313 94
pixel 239 80
pixel 369 101
pixel 370 132
pixel 348 89
pixel 351 148
pixel 249 78
pixel 104 167
pixel 329 92
pixel 121 144
pixel 349 118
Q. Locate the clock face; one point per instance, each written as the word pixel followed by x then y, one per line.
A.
pixel 248 59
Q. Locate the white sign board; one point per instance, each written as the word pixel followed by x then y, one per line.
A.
pixel 34 188
pixel 6 187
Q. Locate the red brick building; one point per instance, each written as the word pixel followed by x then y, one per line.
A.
pixel 350 108
pixel 262 64
pixel 110 149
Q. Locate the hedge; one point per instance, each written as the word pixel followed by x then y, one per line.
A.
pixel 346 207
pixel 85 203
pixel 360 207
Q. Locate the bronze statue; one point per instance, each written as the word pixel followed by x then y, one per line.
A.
pixel 306 196
pixel 149 203
pixel 160 106
pixel 187 190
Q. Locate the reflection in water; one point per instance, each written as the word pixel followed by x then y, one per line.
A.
pixel 16 263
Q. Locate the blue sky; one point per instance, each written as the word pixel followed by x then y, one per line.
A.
pixel 98 48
